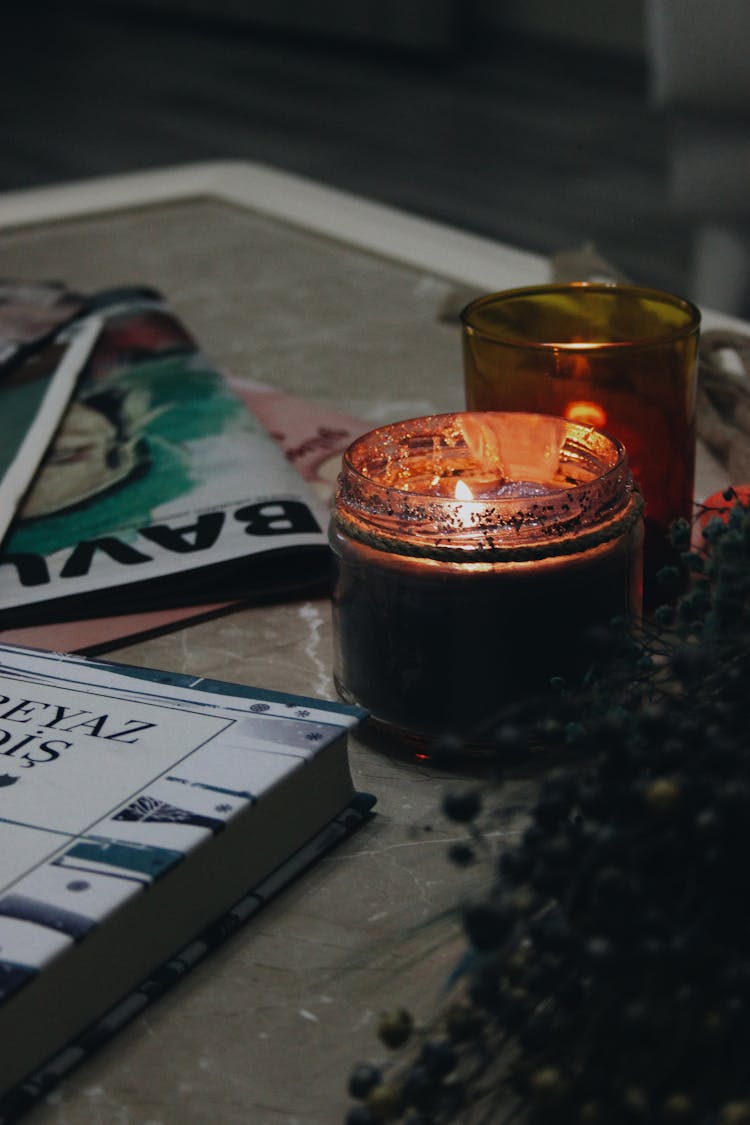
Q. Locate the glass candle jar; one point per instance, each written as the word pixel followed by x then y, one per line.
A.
pixel 473 552
pixel 622 358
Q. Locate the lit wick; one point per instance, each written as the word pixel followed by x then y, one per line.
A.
pixel 464 511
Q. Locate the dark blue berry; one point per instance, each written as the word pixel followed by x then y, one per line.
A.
pixel 362 1079
pixel 487 925
pixel 462 806
pixel 360 1115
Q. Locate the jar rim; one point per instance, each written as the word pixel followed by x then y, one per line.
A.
pixel 373 506
pixel 578 291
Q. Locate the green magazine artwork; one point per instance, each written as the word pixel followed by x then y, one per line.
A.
pixel 140 438
pixel 20 405
pixel 160 487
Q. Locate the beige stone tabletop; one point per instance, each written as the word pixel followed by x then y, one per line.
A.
pixel 348 304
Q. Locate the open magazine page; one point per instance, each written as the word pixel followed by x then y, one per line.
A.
pixel 31 313
pixel 41 357
pixel 311 435
pixel 161 489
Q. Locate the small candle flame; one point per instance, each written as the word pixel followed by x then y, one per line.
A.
pixel 464 512
pixel 587 413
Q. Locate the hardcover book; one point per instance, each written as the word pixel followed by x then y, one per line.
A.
pixel 136 809
pixel 160 489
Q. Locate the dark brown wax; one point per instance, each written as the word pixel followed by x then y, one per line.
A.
pixel 434 647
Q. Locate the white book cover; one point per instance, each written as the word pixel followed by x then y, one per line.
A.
pixel 135 808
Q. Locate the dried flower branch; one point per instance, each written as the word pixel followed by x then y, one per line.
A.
pixel 607 980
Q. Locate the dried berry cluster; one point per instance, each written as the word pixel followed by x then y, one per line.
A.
pixel 609 976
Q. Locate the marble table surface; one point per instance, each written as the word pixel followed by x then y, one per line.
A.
pixel 348 304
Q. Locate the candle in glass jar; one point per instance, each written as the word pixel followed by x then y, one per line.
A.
pixel 473 552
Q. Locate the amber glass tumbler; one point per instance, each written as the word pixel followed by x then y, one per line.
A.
pixel 621 358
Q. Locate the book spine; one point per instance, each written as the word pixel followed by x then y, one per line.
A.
pixel 42 1081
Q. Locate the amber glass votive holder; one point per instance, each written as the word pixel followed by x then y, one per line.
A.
pixel 473 553
pixel 622 358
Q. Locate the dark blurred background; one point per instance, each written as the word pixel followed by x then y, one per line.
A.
pixel 622 124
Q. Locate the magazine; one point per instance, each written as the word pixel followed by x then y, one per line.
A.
pixel 161 489
pixel 31 315
pixel 312 436
pixel 40 363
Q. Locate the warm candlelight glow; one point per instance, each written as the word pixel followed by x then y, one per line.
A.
pixel 576 365
pixel 587 413
pixel 622 358
pixel 473 553
pixel 464 511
